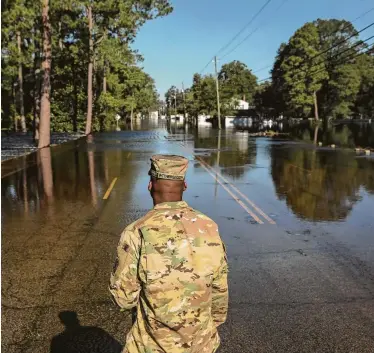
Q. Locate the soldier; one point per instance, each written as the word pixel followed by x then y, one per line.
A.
pixel 171 265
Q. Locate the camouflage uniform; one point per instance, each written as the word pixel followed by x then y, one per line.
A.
pixel 172 266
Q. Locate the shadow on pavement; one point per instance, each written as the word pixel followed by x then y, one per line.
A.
pixel 82 339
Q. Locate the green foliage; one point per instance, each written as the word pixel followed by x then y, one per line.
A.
pixel 120 84
pixel 344 86
pixel 264 99
pixel 364 105
pixel 306 64
pixel 237 82
pixel 295 69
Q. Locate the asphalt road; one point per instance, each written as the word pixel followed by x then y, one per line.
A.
pixel 298 224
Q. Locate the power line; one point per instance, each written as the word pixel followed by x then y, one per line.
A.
pixel 350 56
pixel 332 47
pixel 262 68
pixel 247 25
pixel 343 41
pixel 237 34
pixel 339 30
pixel 236 46
pixel 345 50
pixel 342 60
pixel 206 65
pixel 251 33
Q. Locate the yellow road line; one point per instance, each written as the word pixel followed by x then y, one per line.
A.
pixel 240 202
pixel 109 189
pixel 258 209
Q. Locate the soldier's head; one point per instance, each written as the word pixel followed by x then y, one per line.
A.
pixel 167 178
pixel 69 319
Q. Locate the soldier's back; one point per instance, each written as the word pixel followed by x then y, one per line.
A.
pixel 181 254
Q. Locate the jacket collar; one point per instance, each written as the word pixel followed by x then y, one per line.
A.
pixel 178 204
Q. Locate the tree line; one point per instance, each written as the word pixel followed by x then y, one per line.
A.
pixel 68 65
pixel 324 71
pixel 236 82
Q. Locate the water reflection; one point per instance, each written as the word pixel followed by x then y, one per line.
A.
pixel 320 185
pixel 52 178
pixel 231 152
pixel 316 184
pixel 47 175
pixel 91 167
pixel 343 135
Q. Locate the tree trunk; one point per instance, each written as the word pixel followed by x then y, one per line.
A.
pixel 104 83
pixel 25 189
pixel 15 107
pixel 60 44
pixel 104 78
pixel 315 139
pixel 20 84
pixel 45 105
pixel 90 73
pixel 75 105
pixel 315 106
pixel 131 116
pixel 47 172
pixel 36 95
pixel 91 168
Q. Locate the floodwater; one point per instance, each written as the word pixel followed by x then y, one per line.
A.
pixel 297 221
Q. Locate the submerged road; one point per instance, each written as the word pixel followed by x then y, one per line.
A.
pixel 298 224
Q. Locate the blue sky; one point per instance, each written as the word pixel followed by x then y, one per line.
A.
pixel 177 46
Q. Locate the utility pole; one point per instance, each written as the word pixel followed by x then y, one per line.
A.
pixel 175 103
pixel 217 86
pixel 184 103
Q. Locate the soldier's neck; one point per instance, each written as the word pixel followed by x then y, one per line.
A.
pixel 157 199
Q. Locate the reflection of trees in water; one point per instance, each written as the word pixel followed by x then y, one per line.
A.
pixel 317 185
pixel 236 151
pixel 63 174
pixel 343 135
pixel 233 163
pixel 366 172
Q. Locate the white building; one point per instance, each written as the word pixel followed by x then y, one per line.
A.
pixel 153 115
pixel 242 105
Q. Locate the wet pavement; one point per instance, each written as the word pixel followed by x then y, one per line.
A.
pixel 297 222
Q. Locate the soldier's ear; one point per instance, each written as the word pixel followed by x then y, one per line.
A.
pixel 184 186
pixel 150 185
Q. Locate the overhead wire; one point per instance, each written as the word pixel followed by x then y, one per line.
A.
pixel 343 41
pixel 339 30
pixel 224 47
pixel 353 55
pixel 251 33
pixel 350 56
pixel 246 26
pixel 262 68
pixel 334 46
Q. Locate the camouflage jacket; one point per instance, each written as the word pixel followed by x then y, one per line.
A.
pixel 171 265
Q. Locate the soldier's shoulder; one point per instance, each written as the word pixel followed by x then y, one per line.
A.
pixel 201 216
pixel 141 221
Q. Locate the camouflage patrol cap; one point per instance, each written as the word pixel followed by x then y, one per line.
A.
pixel 168 166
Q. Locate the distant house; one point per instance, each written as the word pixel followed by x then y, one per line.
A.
pixel 153 115
pixel 241 105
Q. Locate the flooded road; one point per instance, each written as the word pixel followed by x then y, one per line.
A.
pixel 298 223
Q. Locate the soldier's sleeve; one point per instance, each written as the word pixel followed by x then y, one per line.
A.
pixel 220 294
pixel 124 281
